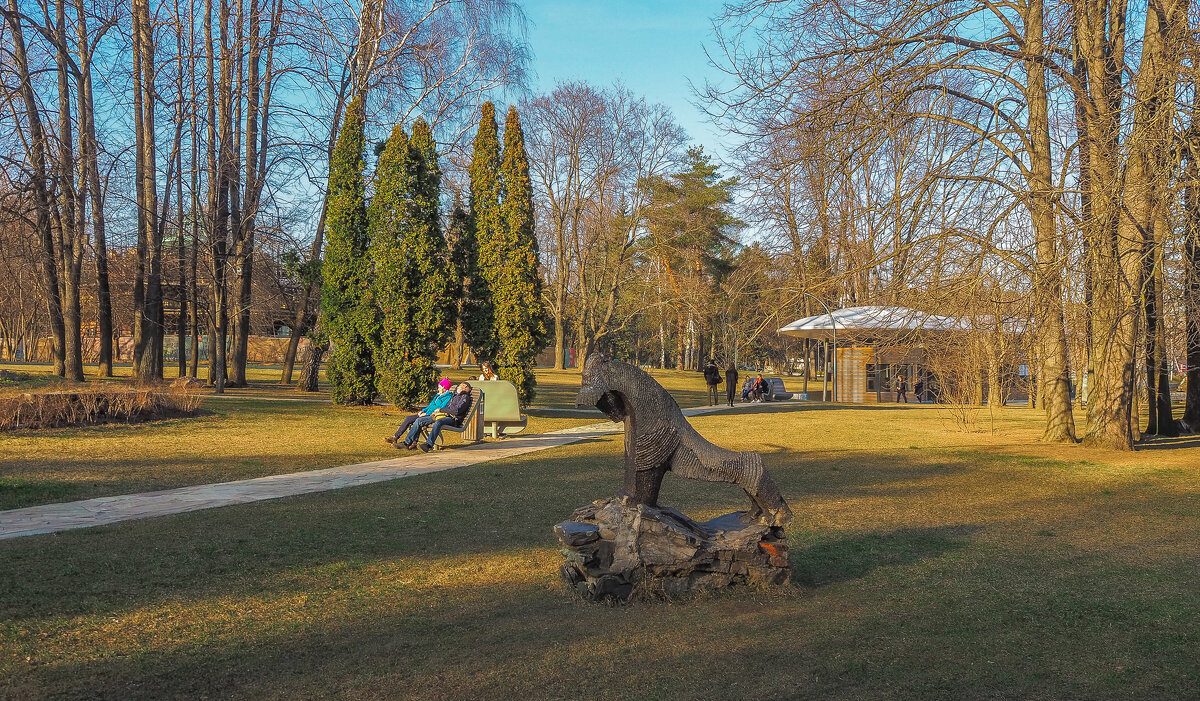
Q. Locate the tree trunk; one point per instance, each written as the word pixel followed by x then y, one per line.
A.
pixel 560 342
pixel 148 340
pixel 1114 258
pixel 71 220
pixel 312 366
pixel 180 240
pixel 456 353
pixel 1191 266
pixel 194 286
pixel 46 253
pixel 1050 329
pixel 89 156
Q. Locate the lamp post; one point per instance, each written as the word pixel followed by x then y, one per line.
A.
pixel 832 325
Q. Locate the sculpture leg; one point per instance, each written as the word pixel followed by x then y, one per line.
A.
pixel 748 473
pixel 642 486
pixel 769 502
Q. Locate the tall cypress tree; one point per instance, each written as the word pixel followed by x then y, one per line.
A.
pixel 460 240
pixel 517 283
pixel 349 315
pixel 438 308
pixel 479 326
pixel 411 285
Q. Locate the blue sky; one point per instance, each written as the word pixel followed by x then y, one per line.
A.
pixel 653 47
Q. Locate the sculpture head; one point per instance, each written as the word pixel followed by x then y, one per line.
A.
pixel 597 390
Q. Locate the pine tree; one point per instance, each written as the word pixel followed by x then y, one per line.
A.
pixel 348 313
pixel 516 281
pixel 410 284
pixel 479 325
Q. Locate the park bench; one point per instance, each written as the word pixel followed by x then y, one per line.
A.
pixel 470 430
pixel 776 391
pixel 502 411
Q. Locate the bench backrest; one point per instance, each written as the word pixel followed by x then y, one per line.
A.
pixel 502 401
pixel 476 402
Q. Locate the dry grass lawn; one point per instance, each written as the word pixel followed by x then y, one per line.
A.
pixel 928 563
pixel 251 432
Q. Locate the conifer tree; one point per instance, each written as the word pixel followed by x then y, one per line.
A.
pixel 460 240
pixel 516 281
pixel 411 286
pixel 479 325
pixel 348 313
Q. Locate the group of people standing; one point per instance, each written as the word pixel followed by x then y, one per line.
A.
pixel 450 406
pixel 712 378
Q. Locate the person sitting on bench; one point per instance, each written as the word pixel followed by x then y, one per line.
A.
pixel 440 400
pixel 454 413
pixel 758 391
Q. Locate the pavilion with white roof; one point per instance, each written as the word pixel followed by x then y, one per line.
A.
pixel 875 345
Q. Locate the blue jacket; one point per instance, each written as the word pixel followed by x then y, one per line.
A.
pixel 439 402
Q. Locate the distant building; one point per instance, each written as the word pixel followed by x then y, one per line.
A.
pixel 876 345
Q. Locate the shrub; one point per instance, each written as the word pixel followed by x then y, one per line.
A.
pixel 96 404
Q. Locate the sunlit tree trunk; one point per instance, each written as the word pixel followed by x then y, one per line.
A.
pixel 71 207
pixel 89 158
pixel 1114 260
pixel 1053 373
pixel 148 330
pixel 37 152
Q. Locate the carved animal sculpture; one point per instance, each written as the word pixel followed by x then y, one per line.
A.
pixel 658 438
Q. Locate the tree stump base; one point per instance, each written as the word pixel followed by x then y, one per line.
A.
pixel 617 550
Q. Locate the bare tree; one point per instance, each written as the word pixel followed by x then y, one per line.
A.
pixel 590 151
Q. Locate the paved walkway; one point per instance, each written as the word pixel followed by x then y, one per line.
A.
pixel 52 518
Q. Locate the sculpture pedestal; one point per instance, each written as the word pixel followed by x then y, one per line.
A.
pixel 616 549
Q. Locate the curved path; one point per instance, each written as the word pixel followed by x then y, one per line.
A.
pixel 52 518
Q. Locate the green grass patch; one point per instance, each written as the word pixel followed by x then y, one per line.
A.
pixel 15 492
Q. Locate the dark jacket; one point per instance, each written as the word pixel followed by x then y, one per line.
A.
pixel 712 375
pixel 731 377
pixel 459 407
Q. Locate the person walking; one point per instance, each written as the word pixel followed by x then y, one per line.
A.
pixel 901 389
pixel 712 377
pixel 731 382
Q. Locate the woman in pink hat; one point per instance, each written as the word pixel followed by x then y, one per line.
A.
pixel 440 400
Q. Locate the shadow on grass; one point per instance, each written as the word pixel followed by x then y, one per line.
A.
pixel 789 406
pixel 1169 443
pixel 16 492
pixel 479 509
pixel 516 634
pixel 124 476
pixel 843 558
